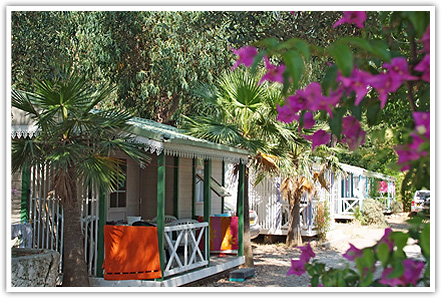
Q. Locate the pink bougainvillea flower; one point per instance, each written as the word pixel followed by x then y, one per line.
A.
pixel 352 17
pixel 286 113
pixel 273 73
pixel 245 56
pixel 384 84
pixel 357 82
pixel 422 123
pixel 386 239
pixel 297 268
pixel 425 39
pixel 392 282
pixel 424 67
pixel 311 94
pixel 352 133
pixel 308 120
pixel 307 253
pixel 406 156
pixel 320 137
pixel 411 274
pixel 398 70
pixel 412 271
pixel 297 102
pixel 353 253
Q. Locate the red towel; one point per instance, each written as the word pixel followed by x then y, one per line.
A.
pixel 131 253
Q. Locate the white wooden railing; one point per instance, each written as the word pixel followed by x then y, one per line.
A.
pixel 347 205
pixel 182 243
pixel 46 216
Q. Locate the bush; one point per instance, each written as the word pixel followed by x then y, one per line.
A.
pixel 372 211
pixel 322 219
pixel 358 216
pixel 396 207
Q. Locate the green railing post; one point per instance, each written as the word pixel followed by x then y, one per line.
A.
pixel 25 193
pixel 176 187
pixel 223 184
pixel 207 205
pixel 240 207
pixel 102 213
pixel 193 189
pixel 160 211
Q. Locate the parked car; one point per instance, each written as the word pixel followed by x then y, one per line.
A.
pixel 254 225
pixel 421 201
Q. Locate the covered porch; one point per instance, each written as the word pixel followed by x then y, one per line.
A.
pixel 183 181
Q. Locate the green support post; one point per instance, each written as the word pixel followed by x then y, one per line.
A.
pixel 193 190
pixel 207 204
pixel 102 213
pixel 25 193
pixel 223 184
pixel 176 187
pixel 160 211
pixel 240 207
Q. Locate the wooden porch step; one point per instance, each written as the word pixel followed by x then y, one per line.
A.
pixel 242 274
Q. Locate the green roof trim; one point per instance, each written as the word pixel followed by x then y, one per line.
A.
pixel 176 142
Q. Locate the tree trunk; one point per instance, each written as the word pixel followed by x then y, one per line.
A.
pixel 294 237
pixel 247 249
pixel 74 265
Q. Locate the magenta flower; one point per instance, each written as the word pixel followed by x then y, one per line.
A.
pixel 308 120
pixel 411 275
pixel 297 102
pixel 398 70
pixel 412 271
pixel 245 56
pixel 273 73
pixel 352 133
pixel 384 84
pixel 297 268
pixel 320 137
pixel 357 82
pixel 307 253
pixel 422 123
pixel 312 94
pixel 352 17
pixel 425 39
pixel 353 253
pixel 392 282
pixel 424 67
pixel 386 239
pixel 406 156
pixel 286 113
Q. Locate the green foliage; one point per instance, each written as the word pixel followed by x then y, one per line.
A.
pixel 358 215
pixel 396 207
pixel 372 211
pixel 322 219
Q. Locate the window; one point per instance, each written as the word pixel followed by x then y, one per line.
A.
pixel 118 198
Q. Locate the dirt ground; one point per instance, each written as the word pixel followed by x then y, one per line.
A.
pixel 272 261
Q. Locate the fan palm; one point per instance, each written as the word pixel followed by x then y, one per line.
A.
pixel 76 141
pixel 241 113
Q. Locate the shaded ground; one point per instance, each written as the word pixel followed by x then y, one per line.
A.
pixel 272 261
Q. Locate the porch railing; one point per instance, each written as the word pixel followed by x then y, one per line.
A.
pixel 46 216
pixel 347 205
pixel 186 247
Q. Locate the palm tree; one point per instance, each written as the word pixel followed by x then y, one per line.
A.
pixel 75 140
pixel 241 113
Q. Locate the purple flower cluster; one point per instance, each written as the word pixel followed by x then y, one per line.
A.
pixel 412 272
pixel 420 135
pixel 298 266
pixel 360 82
pixel 352 17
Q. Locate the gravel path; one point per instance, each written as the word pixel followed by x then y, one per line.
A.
pixel 272 261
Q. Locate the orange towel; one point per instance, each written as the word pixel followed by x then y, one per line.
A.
pixel 131 253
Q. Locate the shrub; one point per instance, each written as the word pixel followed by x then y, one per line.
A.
pixel 373 213
pixel 358 216
pixel 322 218
pixel 396 207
